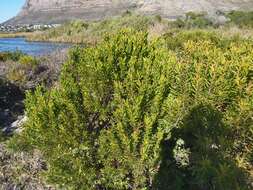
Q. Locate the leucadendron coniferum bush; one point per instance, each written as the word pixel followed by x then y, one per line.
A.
pixel 103 125
pixel 131 114
pixel 214 87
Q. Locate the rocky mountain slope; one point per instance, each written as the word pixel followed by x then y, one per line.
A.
pixel 57 11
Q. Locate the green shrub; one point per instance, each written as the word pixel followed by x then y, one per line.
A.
pixel 17 75
pixel 192 20
pixel 127 13
pixel 2 136
pixel 220 77
pixel 13 56
pixel 241 18
pixel 178 23
pixel 74 27
pixel 92 32
pixel 79 25
pixel 197 20
pixel 158 18
pixel 21 65
pixel 18 72
pixel 175 40
pixel 28 60
pixel 116 90
pixel 130 114
pixel 3 57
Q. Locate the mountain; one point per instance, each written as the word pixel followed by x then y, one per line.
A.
pixel 58 11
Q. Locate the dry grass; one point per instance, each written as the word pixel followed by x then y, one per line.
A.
pixel 158 29
pixel 235 31
pixel 16 35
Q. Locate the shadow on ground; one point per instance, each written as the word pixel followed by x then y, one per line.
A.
pixel 201 162
pixel 11 103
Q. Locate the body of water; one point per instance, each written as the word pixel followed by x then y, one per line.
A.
pixel 31 48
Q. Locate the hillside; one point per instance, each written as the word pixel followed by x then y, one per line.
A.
pixel 58 11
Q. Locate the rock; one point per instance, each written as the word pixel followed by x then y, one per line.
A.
pixel 58 11
pixel 221 20
pixel 16 126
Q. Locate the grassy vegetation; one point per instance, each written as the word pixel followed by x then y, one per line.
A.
pixel 241 19
pixel 16 35
pixel 192 20
pixel 27 71
pixel 92 32
pixel 17 65
pixel 28 60
pixel 10 56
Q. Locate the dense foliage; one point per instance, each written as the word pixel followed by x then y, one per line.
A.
pixel 18 67
pixel 13 56
pixel 241 18
pixel 134 114
pixel 91 32
pixel 193 20
pixel 215 73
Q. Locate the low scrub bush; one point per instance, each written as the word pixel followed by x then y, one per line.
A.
pixel 28 60
pixel 176 39
pixel 92 32
pixel 219 77
pixel 13 56
pixel 113 92
pixel 17 74
pixel 130 114
pixel 192 20
pixel 241 18
pixel 19 71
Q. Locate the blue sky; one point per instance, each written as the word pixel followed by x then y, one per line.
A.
pixel 9 8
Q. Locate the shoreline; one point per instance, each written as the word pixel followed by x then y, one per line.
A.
pixel 29 38
pixel 16 35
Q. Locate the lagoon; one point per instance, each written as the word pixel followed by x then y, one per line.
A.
pixel 30 48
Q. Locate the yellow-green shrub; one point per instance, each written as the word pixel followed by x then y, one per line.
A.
pixel 28 60
pixel 192 20
pixel 17 75
pixel 220 77
pixel 22 69
pixel 243 19
pixel 19 72
pixel 117 88
pixel 129 114
pixel 13 56
pixel 176 39
pixel 94 31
